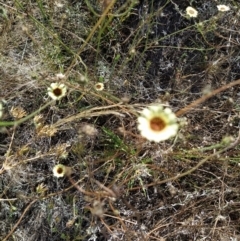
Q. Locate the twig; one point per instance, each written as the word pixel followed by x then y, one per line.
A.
pixel 89 37
pixel 235 143
pixel 18 122
pixel 206 97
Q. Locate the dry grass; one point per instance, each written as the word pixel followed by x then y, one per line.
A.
pixel 122 187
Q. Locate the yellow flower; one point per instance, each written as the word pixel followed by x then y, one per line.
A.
pixel 99 86
pixel 61 170
pixel 157 124
pixel 57 91
pixel 191 12
pixel 223 8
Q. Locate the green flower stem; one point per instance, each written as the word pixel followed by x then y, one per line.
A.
pixel 18 122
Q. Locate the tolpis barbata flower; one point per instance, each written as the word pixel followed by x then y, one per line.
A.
pixel 191 12
pixel 99 86
pixel 157 123
pixel 57 91
pixel 223 8
pixel 61 171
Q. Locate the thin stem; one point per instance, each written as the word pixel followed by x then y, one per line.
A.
pixel 18 122
pixel 206 97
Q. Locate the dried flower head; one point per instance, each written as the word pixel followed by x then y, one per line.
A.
pixel 60 150
pixel 191 12
pixel 18 112
pixel 132 51
pixel 99 86
pixel 89 130
pixel 57 91
pixel 60 76
pixel 61 170
pixel 223 8
pixel 82 78
pixel 47 131
pixel 142 171
pixel 41 189
pixel 59 4
pixel 97 208
pixel 71 222
pixel 38 121
pixel 157 124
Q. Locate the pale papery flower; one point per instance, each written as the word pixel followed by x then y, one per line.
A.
pixel 57 91
pixel 59 4
pixel 89 130
pixel 60 76
pixel 61 171
pixel 99 86
pixel 157 124
pixel 191 12
pixel 223 8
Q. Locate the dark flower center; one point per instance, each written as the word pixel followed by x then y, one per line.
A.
pixel 60 170
pixel 57 91
pixel 157 124
pixel 191 11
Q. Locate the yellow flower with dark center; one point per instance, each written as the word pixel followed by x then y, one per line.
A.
pixel 57 91
pixel 99 86
pixel 157 124
pixel 61 170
